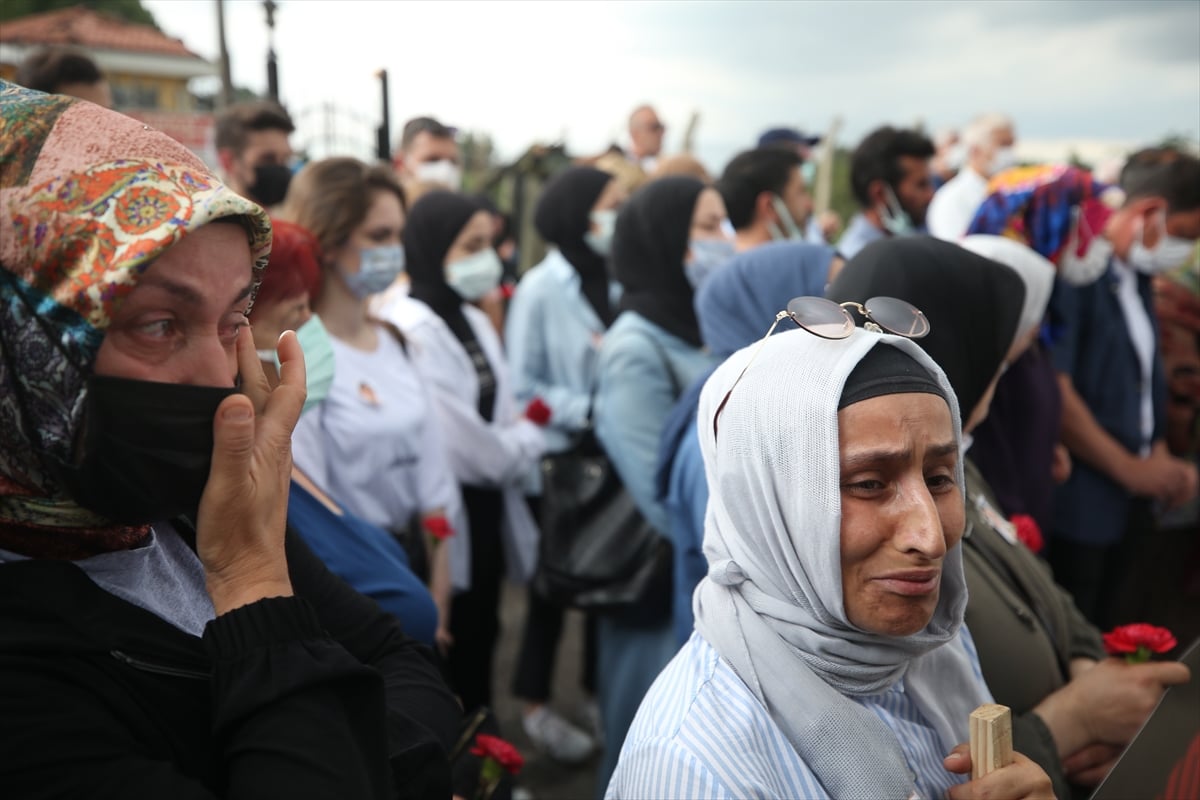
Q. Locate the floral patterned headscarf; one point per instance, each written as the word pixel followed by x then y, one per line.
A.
pixel 88 199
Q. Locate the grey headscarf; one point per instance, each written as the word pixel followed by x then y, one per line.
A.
pixel 771 604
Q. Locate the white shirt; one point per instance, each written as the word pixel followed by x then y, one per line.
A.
pixel 497 454
pixel 701 733
pixel 373 443
pixel 954 205
pixel 1141 334
pixel 163 576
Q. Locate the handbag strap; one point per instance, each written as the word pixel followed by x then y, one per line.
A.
pixel 666 362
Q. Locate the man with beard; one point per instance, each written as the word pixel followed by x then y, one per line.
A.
pixel 890 178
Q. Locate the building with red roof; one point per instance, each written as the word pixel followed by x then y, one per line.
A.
pixel 147 70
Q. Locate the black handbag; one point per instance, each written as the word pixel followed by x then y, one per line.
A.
pixel 597 552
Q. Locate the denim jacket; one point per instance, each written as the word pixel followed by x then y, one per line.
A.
pixel 553 339
pixel 643 370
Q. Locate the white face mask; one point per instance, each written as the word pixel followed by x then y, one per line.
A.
pixel 443 172
pixel 476 275
pixel 955 157
pixel 1170 252
pixel 895 219
pixel 1080 270
pixel 600 240
pixel 789 229
pixel 1004 158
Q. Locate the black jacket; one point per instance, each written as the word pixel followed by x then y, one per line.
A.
pixel 314 696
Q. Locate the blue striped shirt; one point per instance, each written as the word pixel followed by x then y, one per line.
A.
pixel 701 734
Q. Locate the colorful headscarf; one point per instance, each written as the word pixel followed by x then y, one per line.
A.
pixel 89 199
pixel 1036 206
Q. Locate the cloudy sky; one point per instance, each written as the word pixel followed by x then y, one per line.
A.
pixel 1094 76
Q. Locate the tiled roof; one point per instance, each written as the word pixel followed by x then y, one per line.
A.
pixel 84 27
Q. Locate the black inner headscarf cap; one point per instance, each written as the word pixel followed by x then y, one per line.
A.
pixel 562 218
pixel 973 304
pixel 649 246
pixel 887 370
pixel 434 222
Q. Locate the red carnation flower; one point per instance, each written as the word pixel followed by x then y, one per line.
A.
pixel 1137 641
pixel 437 527
pixel 537 411
pixel 1029 533
pixel 498 750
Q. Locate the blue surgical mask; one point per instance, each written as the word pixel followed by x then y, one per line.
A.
pixel 600 240
pixel 708 256
pixel 318 360
pixel 476 275
pixel 378 268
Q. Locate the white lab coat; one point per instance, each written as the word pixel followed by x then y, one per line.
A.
pixel 497 454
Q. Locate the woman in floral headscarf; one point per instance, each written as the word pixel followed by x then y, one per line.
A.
pixel 162 636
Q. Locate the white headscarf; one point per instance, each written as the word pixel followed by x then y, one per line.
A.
pixel 771 604
pixel 1036 272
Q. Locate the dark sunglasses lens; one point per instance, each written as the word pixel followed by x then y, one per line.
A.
pixel 822 317
pixel 897 316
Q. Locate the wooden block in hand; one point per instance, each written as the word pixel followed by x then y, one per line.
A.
pixel 991 739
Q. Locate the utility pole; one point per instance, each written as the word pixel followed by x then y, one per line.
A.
pixel 226 75
pixel 823 195
pixel 272 68
pixel 383 134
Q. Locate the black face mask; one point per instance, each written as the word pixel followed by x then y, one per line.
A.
pixel 270 184
pixel 146 449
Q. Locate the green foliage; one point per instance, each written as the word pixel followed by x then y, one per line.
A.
pixel 128 10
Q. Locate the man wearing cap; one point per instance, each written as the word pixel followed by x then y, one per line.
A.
pixel 820 228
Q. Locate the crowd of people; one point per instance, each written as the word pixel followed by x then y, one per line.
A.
pixel 271 442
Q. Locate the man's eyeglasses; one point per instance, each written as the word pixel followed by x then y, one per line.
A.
pixel 830 320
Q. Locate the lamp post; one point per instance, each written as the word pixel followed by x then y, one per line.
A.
pixel 383 134
pixel 272 67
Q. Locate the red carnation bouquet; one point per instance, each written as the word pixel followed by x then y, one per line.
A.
pixel 1137 641
pixel 498 756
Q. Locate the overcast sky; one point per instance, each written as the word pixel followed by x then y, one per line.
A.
pixel 1100 75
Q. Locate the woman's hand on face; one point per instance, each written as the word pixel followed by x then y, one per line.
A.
pixel 243 511
pixel 1019 780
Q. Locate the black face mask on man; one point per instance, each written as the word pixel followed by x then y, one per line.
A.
pixel 270 185
pixel 146 448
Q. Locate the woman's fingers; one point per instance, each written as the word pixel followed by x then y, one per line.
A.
pixel 1019 780
pixel 286 401
pixel 959 760
pixel 254 380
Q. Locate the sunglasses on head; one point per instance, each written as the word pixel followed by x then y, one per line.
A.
pixel 831 320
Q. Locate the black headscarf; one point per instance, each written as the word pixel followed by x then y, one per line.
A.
pixel 649 245
pixel 562 218
pixel 433 224
pixel 973 304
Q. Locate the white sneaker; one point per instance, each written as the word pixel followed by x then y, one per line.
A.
pixel 556 737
